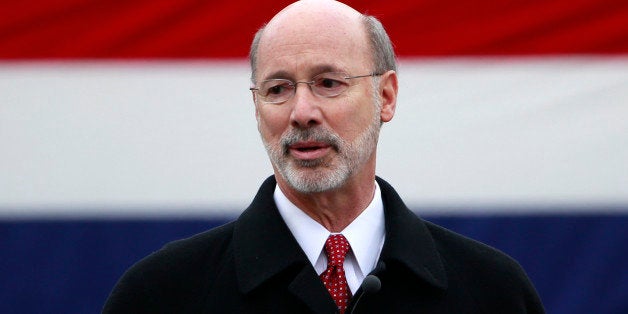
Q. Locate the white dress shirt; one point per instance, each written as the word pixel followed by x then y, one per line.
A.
pixel 365 235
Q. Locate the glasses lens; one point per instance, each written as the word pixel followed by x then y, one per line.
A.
pixel 276 90
pixel 330 84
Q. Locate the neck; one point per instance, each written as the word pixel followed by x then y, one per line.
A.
pixel 334 209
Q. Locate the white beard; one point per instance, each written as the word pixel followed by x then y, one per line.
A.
pixel 314 176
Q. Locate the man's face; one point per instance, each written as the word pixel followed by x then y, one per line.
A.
pixel 315 143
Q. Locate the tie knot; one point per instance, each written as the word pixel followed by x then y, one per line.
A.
pixel 336 248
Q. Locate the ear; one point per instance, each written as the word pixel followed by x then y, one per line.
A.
pixel 388 88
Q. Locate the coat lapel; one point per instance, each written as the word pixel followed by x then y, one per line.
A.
pixel 408 241
pixel 312 292
pixel 265 247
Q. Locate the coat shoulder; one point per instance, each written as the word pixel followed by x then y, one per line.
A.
pixel 494 279
pixel 185 253
pixel 466 250
pixel 174 274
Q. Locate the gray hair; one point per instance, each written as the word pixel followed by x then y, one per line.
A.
pixel 382 50
pixel 253 52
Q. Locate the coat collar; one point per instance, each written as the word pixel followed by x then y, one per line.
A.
pixel 263 244
pixel 408 241
pixel 265 247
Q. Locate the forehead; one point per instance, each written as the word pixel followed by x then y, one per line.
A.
pixel 313 43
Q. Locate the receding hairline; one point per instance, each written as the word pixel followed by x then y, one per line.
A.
pixel 379 45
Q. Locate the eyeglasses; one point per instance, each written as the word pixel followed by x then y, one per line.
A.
pixel 331 84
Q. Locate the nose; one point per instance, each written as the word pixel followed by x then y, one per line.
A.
pixel 306 111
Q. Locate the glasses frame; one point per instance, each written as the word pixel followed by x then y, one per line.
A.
pixel 310 83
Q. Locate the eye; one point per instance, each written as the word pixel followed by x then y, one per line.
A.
pixel 276 87
pixel 329 83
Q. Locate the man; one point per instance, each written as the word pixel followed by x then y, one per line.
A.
pixel 324 81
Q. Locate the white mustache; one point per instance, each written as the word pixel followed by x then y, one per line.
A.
pixel 294 136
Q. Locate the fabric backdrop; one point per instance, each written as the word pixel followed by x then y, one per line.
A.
pixel 128 124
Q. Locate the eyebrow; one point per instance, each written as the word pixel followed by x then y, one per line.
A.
pixel 316 70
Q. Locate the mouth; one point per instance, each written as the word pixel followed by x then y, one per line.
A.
pixel 309 150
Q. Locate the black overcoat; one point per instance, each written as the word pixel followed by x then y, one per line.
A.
pixel 254 265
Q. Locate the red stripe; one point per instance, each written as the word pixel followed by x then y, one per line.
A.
pixel 38 29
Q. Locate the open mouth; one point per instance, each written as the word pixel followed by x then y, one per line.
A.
pixel 309 150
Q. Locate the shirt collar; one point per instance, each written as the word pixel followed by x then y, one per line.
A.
pixel 365 234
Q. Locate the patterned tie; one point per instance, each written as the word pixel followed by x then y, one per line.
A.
pixel 336 248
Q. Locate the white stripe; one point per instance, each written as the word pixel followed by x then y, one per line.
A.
pixel 79 137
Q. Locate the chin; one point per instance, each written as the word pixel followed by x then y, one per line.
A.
pixel 314 180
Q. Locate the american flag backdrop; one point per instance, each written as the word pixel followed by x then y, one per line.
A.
pixel 128 124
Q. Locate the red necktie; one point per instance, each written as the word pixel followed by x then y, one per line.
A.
pixel 336 248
